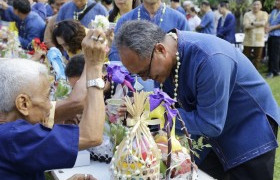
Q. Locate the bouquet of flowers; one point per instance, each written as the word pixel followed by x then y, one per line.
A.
pixel 39 48
pixel 100 22
pixel 137 157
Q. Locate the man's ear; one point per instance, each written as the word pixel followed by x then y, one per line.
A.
pixel 160 48
pixel 23 104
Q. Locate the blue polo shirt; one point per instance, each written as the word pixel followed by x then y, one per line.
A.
pixel 208 23
pixel 181 10
pixel 66 12
pixel 27 150
pixel 274 19
pixel 223 97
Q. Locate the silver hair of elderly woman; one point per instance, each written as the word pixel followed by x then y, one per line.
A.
pixel 16 75
pixel 139 36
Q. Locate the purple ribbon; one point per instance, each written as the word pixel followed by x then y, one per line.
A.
pixel 120 75
pixel 157 98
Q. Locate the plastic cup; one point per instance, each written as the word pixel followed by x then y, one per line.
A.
pixel 113 106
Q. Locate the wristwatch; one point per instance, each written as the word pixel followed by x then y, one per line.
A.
pixel 99 83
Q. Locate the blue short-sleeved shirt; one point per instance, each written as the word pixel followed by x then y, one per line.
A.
pixel 274 19
pixel 208 23
pixel 66 12
pixel 181 10
pixel 27 150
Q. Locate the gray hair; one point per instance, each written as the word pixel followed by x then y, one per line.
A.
pixel 139 36
pixel 16 75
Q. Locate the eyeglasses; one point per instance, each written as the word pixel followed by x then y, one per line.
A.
pixel 147 72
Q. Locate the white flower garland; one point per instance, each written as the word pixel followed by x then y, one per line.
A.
pixel 175 37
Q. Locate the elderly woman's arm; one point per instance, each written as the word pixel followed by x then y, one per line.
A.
pixel 92 123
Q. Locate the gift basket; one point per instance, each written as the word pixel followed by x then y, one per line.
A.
pixel 151 149
pixel 177 161
pixel 137 157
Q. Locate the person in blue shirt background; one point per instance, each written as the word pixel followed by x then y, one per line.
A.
pixel 226 24
pixel 220 95
pixel 273 29
pixel 49 7
pixel 207 24
pixel 156 12
pixel 72 9
pixel 175 4
pixel 30 25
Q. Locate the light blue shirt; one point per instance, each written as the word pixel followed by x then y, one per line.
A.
pixel 208 23
pixel 274 19
pixel 181 10
pixel 67 12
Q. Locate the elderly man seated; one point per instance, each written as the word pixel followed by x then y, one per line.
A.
pixel 27 148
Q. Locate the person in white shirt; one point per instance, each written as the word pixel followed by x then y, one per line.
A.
pixel 194 20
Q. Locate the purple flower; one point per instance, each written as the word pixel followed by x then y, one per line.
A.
pixel 120 75
pixel 157 98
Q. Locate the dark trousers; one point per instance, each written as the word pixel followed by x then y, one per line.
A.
pixel 259 168
pixel 254 54
pixel 274 54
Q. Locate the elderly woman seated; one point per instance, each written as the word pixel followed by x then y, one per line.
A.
pixel 27 148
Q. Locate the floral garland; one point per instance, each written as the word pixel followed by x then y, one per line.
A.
pixel 175 37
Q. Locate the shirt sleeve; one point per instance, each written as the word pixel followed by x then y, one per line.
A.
pixel 48 32
pixel 228 25
pixel 60 14
pixel 183 23
pixel 213 92
pixel 205 21
pixel 40 9
pixel 8 15
pixel 246 20
pixel 32 31
pixel 39 148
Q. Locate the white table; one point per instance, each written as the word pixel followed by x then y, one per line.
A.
pixel 100 171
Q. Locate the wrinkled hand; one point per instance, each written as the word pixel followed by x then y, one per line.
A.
pixel 94 47
pixel 82 177
pixel 122 110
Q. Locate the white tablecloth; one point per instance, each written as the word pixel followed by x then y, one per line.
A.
pixel 100 171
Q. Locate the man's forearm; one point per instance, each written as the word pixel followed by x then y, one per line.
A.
pixel 74 104
pixel 275 27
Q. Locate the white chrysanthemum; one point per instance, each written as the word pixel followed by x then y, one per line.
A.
pixel 100 22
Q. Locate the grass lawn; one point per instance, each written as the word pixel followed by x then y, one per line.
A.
pixel 275 87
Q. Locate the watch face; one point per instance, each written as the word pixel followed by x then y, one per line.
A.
pixel 100 83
